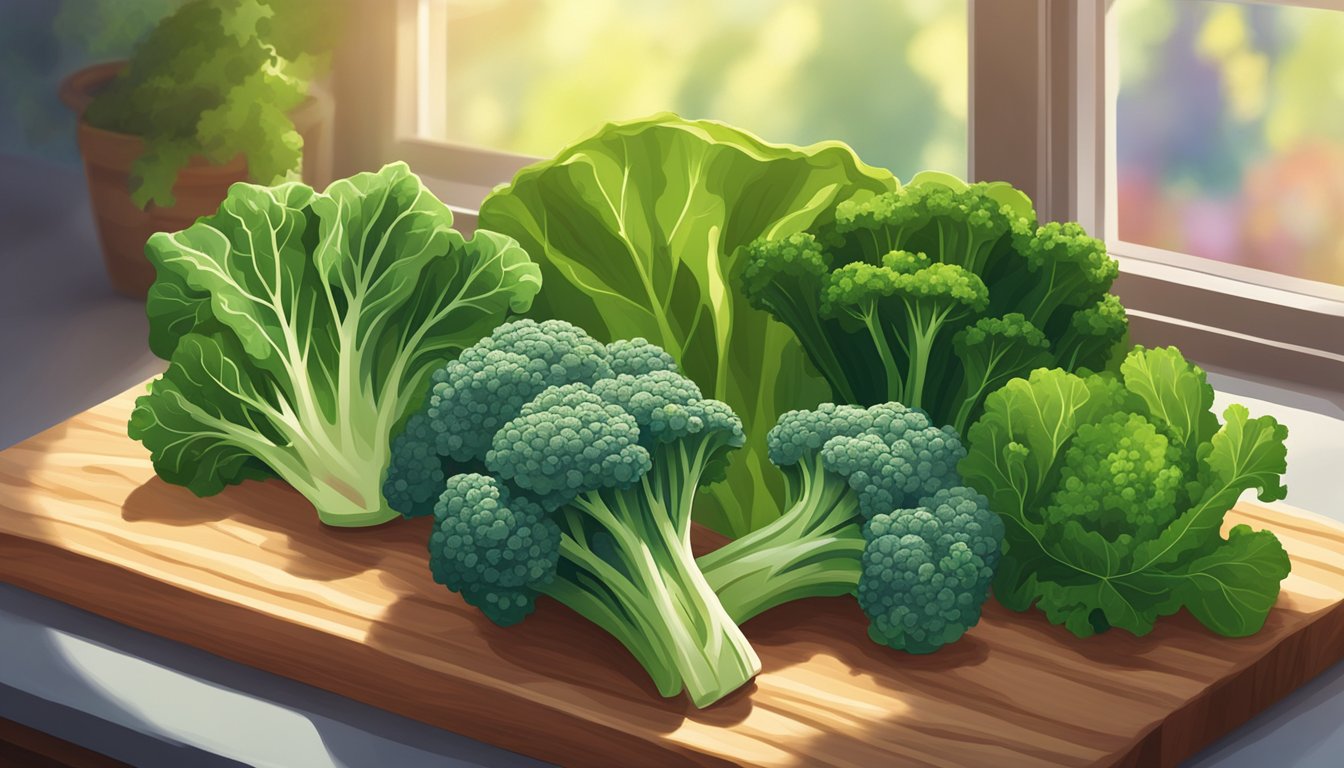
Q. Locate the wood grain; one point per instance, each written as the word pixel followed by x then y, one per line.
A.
pixel 31 748
pixel 252 576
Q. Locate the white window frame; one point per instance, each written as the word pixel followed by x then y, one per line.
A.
pixel 1041 122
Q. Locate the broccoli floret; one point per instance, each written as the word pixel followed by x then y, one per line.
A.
pixel 966 221
pixel 585 496
pixel 1065 268
pixel 498 550
pixel 926 571
pixel 785 277
pixel 937 293
pixel 878 510
pixel 636 356
pixel 1097 337
pixel 904 304
pixel 416 472
pixel 567 441
pixel 473 396
pixel 994 350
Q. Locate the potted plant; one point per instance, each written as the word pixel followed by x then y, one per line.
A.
pixel 218 92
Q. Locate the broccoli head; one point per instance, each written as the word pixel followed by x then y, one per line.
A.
pixel 937 293
pixel 497 550
pixel 473 396
pixel 587 460
pixel 877 510
pixel 926 571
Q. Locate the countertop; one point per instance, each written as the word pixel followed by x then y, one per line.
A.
pixel 67 342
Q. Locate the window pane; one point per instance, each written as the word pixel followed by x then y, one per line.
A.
pixel 1230 133
pixel 886 76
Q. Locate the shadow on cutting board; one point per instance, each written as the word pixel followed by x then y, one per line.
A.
pixel 310 549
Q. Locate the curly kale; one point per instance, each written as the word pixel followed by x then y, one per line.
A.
pixel 1113 488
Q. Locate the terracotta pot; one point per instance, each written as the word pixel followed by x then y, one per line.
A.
pixel 123 229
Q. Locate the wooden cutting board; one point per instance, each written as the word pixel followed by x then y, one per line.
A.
pixel 252 576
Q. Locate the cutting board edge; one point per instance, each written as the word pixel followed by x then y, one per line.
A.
pixel 563 746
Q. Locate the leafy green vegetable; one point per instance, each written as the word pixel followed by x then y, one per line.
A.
pixel 1113 489
pixel 300 328
pixel 639 231
pixel 217 78
pixel 937 293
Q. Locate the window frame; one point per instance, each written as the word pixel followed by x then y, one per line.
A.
pixel 380 76
pixel 1231 318
pixel 1041 122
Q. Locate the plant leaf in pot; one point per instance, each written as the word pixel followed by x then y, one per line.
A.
pixel 217 93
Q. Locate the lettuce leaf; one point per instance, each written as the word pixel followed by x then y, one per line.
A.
pixel 639 231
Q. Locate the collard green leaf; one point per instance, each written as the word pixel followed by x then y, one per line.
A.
pixel 639 232
pixel 194 419
pixel 1088 607
pixel 241 267
pixel 1016 584
pixel 1016 446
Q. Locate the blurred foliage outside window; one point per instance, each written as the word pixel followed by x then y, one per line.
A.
pixel 1230 133
pixel 888 77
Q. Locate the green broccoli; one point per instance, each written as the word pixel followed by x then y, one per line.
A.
pixel 1089 340
pixel 878 510
pixel 583 460
pixel 936 294
pixel 992 351
pixel 471 397
pixel 903 305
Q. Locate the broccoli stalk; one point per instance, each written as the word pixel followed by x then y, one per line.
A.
pixel 590 456
pixel 616 465
pixel 993 351
pixel 904 304
pixel 878 512
pixel 812 550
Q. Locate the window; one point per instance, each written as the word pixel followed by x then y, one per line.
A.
pixel 531 76
pixel 483 86
pixel 1206 145
pixel 1229 138
pixel 1183 132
